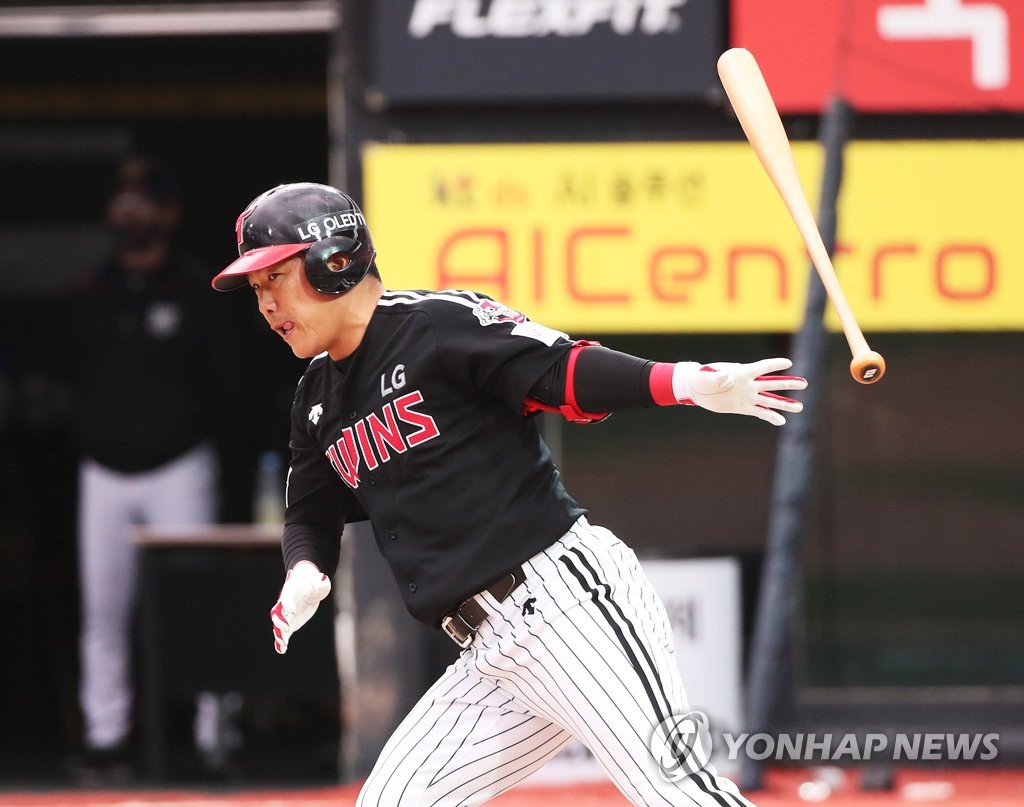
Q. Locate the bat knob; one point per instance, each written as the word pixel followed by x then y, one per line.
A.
pixel 867 367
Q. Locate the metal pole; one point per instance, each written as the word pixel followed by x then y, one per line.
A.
pixel 337 154
pixel 770 671
pixel 348 126
pixel 344 595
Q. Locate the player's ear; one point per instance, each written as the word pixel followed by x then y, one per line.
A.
pixel 338 261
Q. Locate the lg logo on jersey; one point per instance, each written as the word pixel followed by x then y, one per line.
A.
pixel 397 381
pixel 376 438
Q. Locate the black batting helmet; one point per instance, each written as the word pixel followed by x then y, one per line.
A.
pixel 302 217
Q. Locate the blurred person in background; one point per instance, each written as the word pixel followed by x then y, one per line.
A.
pixel 154 369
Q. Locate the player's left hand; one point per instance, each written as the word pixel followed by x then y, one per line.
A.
pixel 742 389
pixel 304 587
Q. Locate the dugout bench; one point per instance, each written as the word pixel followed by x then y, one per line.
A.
pixel 205 595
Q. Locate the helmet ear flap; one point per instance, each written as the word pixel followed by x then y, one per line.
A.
pixel 337 280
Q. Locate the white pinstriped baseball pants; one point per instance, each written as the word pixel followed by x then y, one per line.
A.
pixel 582 649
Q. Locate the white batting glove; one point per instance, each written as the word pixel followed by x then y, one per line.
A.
pixel 304 587
pixel 741 389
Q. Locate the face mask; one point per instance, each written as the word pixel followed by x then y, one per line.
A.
pixel 137 236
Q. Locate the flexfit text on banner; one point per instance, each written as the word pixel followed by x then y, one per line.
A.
pixel 483 51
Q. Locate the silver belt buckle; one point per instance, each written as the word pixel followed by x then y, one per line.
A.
pixel 461 641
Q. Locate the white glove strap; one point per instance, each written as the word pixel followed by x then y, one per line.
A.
pixel 682 384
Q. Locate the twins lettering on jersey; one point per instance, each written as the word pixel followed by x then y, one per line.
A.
pixel 376 438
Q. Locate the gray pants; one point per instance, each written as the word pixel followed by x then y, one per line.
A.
pixel 110 504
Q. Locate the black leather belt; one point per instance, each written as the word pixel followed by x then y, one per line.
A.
pixel 461 624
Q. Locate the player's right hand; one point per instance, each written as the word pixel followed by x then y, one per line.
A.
pixel 741 389
pixel 304 587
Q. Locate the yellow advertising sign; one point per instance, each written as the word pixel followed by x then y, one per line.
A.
pixel 661 237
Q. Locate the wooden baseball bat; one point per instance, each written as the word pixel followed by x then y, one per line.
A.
pixel 759 117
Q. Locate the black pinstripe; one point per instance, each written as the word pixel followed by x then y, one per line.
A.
pixel 441 719
pixel 385 756
pixel 431 752
pixel 514 774
pixel 610 756
pixel 616 626
pixel 649 682
pixel 569 677
pixel 594 592
pixel 662 714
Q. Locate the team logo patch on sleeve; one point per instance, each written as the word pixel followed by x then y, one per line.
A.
pixel 490 312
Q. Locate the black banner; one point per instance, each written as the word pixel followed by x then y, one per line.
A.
pixel 494 51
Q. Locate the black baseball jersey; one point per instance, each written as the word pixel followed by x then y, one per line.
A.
pixel 422 430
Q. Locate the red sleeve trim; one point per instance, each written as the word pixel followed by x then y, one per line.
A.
pixel 661 384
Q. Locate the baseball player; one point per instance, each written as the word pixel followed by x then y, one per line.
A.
pixel 416 412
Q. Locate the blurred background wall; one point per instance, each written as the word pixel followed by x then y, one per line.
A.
pixel 231 115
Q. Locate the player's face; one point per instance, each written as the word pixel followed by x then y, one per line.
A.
pixel 308 322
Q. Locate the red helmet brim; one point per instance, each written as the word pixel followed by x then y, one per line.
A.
pixel 233 277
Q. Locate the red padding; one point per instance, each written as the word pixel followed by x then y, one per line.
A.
pixel 570 410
